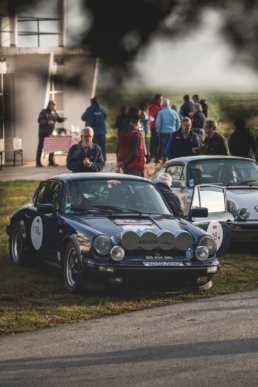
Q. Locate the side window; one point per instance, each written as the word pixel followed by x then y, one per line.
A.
pixel 177 172
pixel 49 193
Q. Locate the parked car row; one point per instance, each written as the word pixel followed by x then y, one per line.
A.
pixel 239 176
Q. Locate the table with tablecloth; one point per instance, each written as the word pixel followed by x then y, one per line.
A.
pixel 59 143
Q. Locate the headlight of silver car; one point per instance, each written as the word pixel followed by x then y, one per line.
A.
pixel 208 242
pixel 102 245
pixel 232 207
pixel 243 213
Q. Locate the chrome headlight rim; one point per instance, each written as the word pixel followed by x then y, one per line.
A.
pixel 104 245
pixel 210 243
pixel 113 253
pixel 243 213
pixel 202 253
pixel 232 207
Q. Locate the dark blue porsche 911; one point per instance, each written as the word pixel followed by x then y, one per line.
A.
pixel 103 229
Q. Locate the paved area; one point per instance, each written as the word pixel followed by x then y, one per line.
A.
pixel 211 342
pixel 30 172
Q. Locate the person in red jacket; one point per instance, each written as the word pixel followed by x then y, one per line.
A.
pixel 130 156
pixel 154 108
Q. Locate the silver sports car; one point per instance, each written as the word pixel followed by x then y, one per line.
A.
pixel 238 175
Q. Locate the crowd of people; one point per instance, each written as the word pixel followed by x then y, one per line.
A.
pixel 173 133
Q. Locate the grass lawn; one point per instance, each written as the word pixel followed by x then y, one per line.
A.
pixel 32 297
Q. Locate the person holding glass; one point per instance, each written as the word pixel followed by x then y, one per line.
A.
pixel 47 120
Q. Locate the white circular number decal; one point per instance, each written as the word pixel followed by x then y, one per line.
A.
pixel 37 232
pixel 216 231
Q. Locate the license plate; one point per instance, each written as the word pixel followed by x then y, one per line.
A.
pixel 163 264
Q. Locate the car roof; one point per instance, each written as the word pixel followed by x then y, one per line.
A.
pixel 204 157
pixel 70 177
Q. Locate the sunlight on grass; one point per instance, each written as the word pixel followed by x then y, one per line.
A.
pixel 32 297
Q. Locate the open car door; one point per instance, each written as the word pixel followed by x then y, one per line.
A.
pixel 219 222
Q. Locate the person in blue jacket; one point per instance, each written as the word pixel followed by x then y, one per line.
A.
pixel 85 156
pixel 95 116
pixel 182 142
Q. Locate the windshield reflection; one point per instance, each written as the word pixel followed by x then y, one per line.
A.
pixel 114 195
pixel 222 172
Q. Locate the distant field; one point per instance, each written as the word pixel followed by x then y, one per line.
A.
pixel 224 107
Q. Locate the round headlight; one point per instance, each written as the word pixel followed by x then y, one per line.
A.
pixel 117 253
pixel 243 213
pixel 202 253
pixel 232 207
pixel 210 243
pixel 102 245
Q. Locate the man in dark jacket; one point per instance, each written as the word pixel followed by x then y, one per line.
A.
pixel 95 116
pixel 85 156
pixel 242 141
pixel 47 120
pixel 163 183
pixel 182 142
pixel 187 107
pixel 196 98
pixel 130 156
pixel 214 143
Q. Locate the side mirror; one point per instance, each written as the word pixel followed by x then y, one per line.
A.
pixel 177 184
pixel 201 212
pixel 46 209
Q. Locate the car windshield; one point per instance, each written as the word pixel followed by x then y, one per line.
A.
pixel 108 196
pixel 224 172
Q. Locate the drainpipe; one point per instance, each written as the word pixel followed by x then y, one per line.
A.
pixel 95 78
pixel 14 29
pixel 62 23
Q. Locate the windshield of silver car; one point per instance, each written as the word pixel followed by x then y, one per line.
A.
pixel 222 172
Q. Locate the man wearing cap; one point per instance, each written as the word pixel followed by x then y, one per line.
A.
pixel 85 156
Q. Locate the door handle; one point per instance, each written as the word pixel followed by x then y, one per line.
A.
pixel 27 216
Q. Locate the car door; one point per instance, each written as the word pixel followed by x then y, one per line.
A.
pixel 42 229
pixel 219 222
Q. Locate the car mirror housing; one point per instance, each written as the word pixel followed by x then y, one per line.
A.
pixel 201 212
pixel 46 209
pixel 177 184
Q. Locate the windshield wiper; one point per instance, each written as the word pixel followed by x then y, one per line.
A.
pixel 112 208
pixel 78 209
pixel 246 182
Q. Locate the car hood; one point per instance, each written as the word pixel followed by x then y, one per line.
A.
pixel 245 197
pixel 147 232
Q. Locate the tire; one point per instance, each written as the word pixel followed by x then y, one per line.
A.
pixel 71 269
pixel 18 255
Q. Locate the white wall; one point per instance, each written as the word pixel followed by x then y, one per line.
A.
pixel 30 80
pixel 30 86
pixel 77 99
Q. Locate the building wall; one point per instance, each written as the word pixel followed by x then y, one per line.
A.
pixel 31 90
pixel 30 80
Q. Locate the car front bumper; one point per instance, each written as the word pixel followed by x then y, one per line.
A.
pixel 172 277
pixel 245 232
